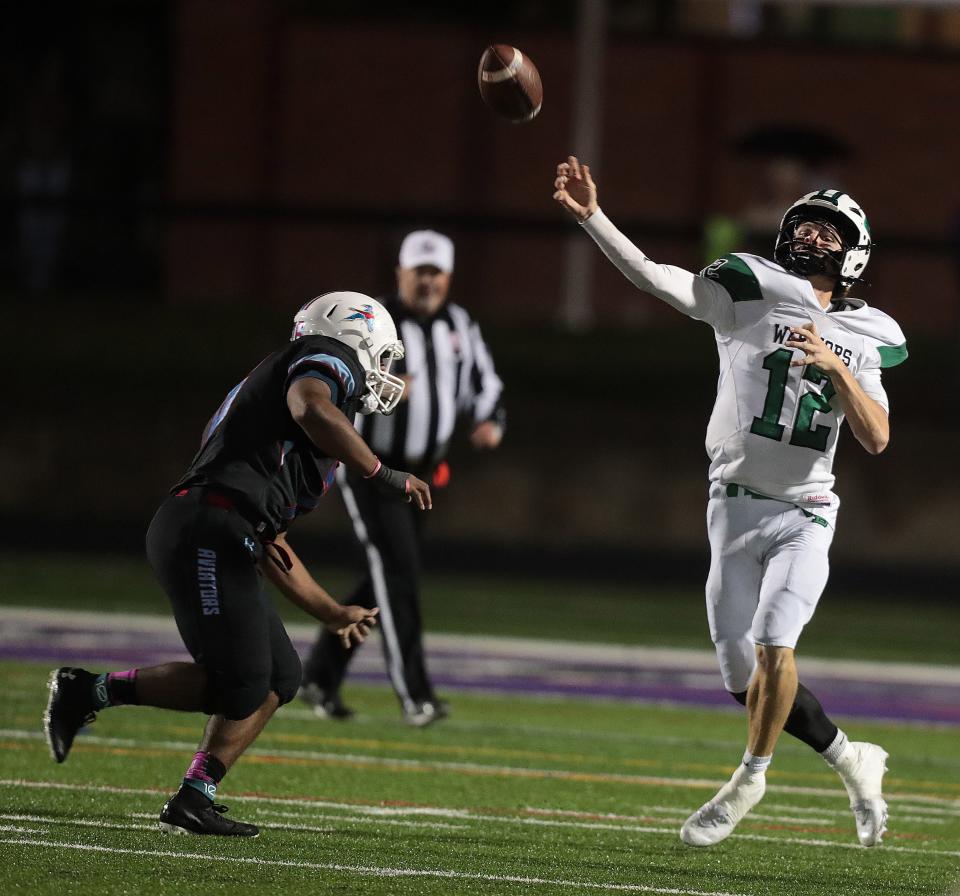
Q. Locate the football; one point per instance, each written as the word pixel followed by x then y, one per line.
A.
pixel 510 83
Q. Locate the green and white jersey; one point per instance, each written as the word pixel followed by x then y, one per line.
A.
pixel 774 427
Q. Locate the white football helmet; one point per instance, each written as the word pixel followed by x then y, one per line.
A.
pixel 845 215
pixel 364 325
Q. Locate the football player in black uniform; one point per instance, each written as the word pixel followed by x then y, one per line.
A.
pixel 268 454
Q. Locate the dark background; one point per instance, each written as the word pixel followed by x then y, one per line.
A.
pixel 176 179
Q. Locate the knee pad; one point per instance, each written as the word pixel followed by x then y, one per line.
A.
pixel 242 701
pixel 287 678
pixel 211 698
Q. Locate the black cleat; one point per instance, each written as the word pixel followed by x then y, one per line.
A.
pixel 69 708
pixel 188 811
pixel 325 707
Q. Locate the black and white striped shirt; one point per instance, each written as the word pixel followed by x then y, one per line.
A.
pixel 450 374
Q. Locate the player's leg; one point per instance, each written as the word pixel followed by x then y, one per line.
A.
pixel 387 532
pixel 77 695
pixel 207 561
pixel 227 738
pixel 273 671
pixel 770 698
pixel 733 586
pixel 402 632
pixel 807 720
pixel 795 579
pixel 326 665
pixel 733 589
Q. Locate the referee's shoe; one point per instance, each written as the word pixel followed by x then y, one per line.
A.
pixel 188 811
pixel 424 713
pixel 324 706
pixel 69 708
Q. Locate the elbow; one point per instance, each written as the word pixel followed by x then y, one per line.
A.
pixel 877 444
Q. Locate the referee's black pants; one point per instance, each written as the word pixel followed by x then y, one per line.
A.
pixel 390 533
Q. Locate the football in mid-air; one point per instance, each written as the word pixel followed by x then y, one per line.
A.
pixel 510 83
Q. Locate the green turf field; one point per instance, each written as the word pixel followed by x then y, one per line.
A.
pixel 509 795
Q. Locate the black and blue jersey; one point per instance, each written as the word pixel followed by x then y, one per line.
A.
pixel 253 448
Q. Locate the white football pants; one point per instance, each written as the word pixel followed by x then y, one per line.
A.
pixel 768 568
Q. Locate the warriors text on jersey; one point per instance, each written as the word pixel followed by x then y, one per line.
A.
pixel 254 449
pixel 774 427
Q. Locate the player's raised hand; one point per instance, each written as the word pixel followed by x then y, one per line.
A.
pixel 354 624
pixel 815 351
pixel 574 189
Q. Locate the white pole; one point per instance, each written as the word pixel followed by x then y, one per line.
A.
pixel 577 309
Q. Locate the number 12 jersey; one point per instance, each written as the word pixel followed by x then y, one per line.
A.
pixel 774 427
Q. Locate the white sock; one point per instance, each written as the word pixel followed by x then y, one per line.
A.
pixel 833 753
pixel 756 764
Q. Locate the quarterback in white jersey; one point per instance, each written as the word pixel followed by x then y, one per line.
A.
pixel 774 429
pixel 798 356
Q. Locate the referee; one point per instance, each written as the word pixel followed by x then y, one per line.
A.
pixel 449 374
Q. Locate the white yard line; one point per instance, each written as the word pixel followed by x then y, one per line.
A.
pixel 79 822
pixel 931 810
pixel 466 814
pixel 372 871
pixel 804 841
pixel 475 768
pixel 898 808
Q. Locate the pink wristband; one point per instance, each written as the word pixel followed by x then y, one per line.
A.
pixel 375 470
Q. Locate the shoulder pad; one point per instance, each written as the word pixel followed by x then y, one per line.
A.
pixel 881 331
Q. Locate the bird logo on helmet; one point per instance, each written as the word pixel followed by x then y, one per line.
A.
pixel 365 313
pixel 844 215
pixel 365 326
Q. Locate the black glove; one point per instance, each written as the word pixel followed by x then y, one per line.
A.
pixel 392 481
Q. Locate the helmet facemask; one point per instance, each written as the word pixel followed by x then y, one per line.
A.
pixel 384 389
pixel 806 258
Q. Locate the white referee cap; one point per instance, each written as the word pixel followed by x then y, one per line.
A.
pixel 427 247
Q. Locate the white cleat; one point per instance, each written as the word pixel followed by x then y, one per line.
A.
pixel 715 821
pixel 861 768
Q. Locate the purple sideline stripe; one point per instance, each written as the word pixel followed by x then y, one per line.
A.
pixel 475 669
